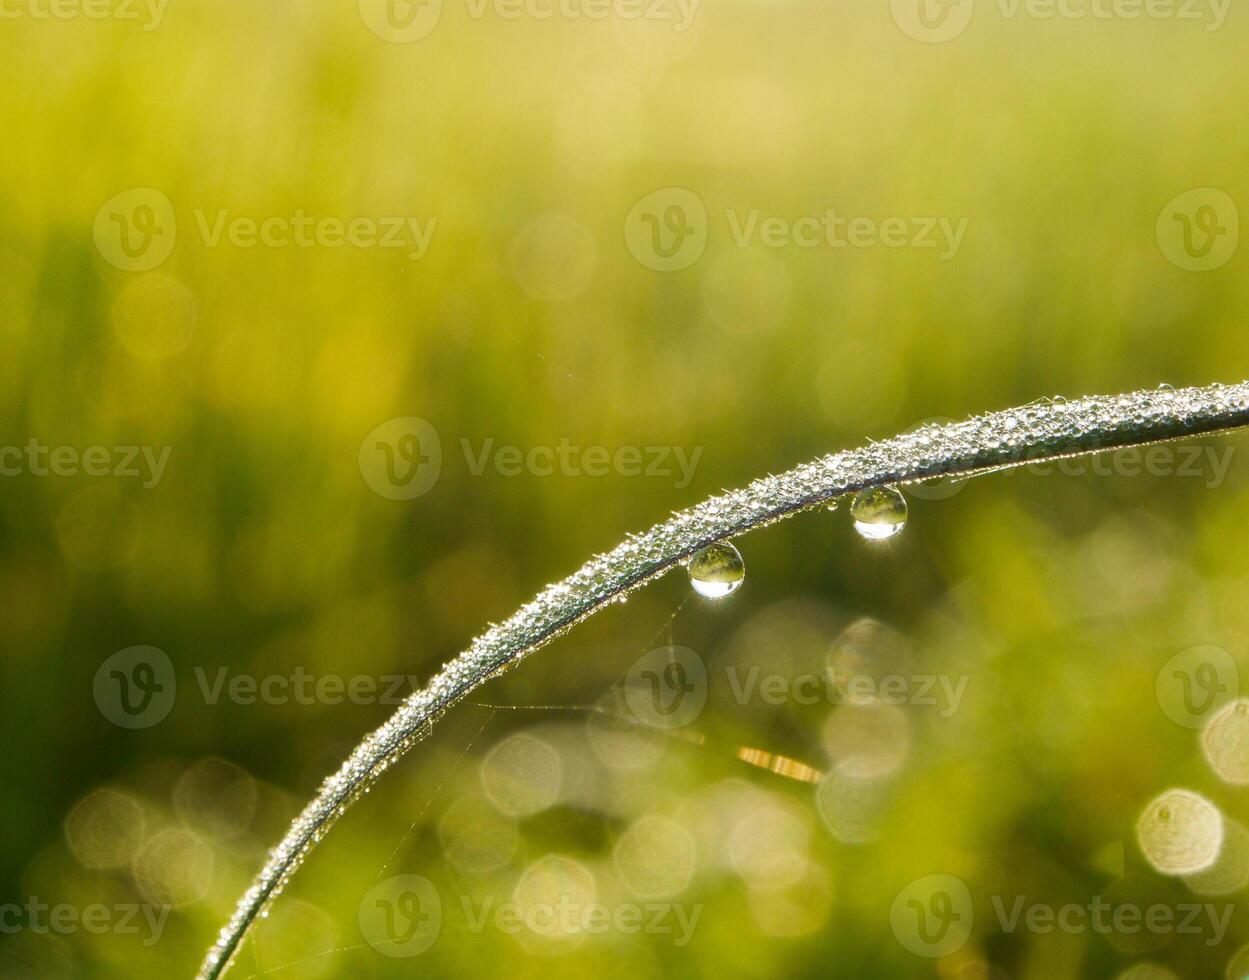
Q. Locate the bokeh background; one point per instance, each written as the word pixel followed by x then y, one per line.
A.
pixel 531 146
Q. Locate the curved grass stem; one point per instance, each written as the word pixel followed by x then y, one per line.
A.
pixel 1038 432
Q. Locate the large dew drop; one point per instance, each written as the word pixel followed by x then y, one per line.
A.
pixel 879 513
pixel 1180 832
pixel 717 570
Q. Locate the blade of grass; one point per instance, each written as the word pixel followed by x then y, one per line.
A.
pixel 1038 432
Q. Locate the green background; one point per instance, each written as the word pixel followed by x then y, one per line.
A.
pixel 1060 598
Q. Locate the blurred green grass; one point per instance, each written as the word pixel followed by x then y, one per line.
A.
pixel 262 549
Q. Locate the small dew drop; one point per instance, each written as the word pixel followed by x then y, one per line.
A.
pixel 879 513
pixel 717 570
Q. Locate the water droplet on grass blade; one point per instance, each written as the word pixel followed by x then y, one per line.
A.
pixel 879 513
pixel 717 570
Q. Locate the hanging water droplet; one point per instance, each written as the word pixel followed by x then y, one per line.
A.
pixel 879 513
pixel 834 504
pixel 717 570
